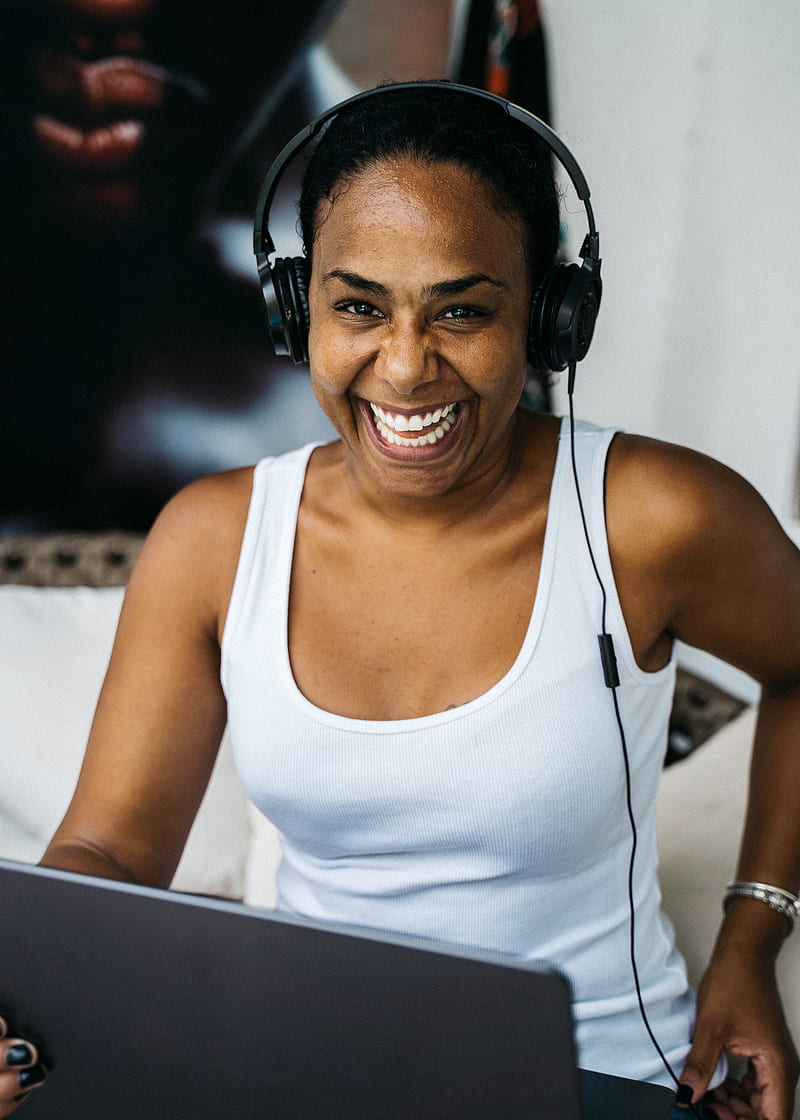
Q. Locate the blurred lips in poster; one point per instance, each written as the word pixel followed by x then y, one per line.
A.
pixel 121 106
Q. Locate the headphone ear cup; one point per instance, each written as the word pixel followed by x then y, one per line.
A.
pixel 285 288
pixel 299 277
pixel 563 313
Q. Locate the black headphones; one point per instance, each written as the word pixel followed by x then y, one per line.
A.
pixel 564 307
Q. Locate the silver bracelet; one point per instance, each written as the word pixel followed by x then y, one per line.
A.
pixel 783 902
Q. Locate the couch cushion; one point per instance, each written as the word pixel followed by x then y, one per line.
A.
pixel 54 647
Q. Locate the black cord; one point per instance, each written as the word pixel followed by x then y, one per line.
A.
pixel 611 677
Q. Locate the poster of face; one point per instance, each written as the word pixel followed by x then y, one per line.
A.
pixel 136 352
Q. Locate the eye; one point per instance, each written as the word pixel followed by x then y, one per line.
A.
pixel 358 308
pixel 462 312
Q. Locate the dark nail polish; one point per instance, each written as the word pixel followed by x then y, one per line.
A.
pixel 28 1078
pixel 19 1055
pixel 684 1094
pixel 21 1096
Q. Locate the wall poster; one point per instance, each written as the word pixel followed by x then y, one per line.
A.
pixel 136 354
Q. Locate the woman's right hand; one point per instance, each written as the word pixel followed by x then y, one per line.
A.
pixel 20 1071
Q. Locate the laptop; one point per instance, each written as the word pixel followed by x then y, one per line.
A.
pixel 149 1003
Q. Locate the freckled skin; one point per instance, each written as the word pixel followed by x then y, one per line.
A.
pixel 407 227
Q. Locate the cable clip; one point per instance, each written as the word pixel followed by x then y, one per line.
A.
pixel 609 659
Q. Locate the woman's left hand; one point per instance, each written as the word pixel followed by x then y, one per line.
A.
pixel 739 1011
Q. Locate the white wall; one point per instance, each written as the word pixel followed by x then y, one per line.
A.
pixel 683 117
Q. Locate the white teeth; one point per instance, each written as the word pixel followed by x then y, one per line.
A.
pixel 389 426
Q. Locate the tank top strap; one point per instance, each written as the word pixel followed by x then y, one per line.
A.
pixel 267 544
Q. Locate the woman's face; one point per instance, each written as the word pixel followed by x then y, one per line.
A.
pixel 419 298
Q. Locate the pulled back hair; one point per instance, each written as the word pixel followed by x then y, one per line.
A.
pixel 435 125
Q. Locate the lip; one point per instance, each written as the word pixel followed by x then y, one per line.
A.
pixel 107 148
pixel 97 116
pixel 424 454
pixel 96 91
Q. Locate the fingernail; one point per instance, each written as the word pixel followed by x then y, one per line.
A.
pixel 19 1055
pixel 684 1094
pixel 29 1078
pixel 3 1028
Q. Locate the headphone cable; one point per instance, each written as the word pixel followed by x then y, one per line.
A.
pixel 612 681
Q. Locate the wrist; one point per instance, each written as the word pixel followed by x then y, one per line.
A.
pixel 780 900
pixel 751 930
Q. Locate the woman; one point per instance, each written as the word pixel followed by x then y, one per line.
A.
pixel 401 627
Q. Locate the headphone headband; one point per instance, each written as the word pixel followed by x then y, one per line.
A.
pixel 262 240
pixel 564 307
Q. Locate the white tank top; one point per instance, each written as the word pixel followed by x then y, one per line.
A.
pixel 498 825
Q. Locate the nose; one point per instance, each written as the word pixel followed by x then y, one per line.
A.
pixel 405 359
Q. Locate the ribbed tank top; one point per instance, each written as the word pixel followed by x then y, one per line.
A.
pixel 498 825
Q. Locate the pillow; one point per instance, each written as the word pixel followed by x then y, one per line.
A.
pixel 54 648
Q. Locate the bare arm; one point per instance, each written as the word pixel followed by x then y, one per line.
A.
pixel 720 574
pixel 161 711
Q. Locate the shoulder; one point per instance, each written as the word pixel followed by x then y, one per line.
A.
pixel 696 549
pixel 225 495
pixel 206 517
pixel 672 495
pixel 190 556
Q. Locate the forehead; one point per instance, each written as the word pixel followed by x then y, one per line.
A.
pixel 422 207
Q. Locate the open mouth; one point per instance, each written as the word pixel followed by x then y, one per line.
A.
pixel 418 430
pixel 97 115
pixel 414 436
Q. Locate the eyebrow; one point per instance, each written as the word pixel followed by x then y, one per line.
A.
pixel 433 291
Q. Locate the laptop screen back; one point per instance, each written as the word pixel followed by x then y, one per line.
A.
pixel 150 1004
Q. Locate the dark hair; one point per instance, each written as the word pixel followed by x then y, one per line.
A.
pixel 436 125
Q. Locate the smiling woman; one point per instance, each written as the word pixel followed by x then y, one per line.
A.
pixel 401 626
pixel 426 237
pixel 456 224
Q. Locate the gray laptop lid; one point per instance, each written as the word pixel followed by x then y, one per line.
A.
pixel 147 1003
